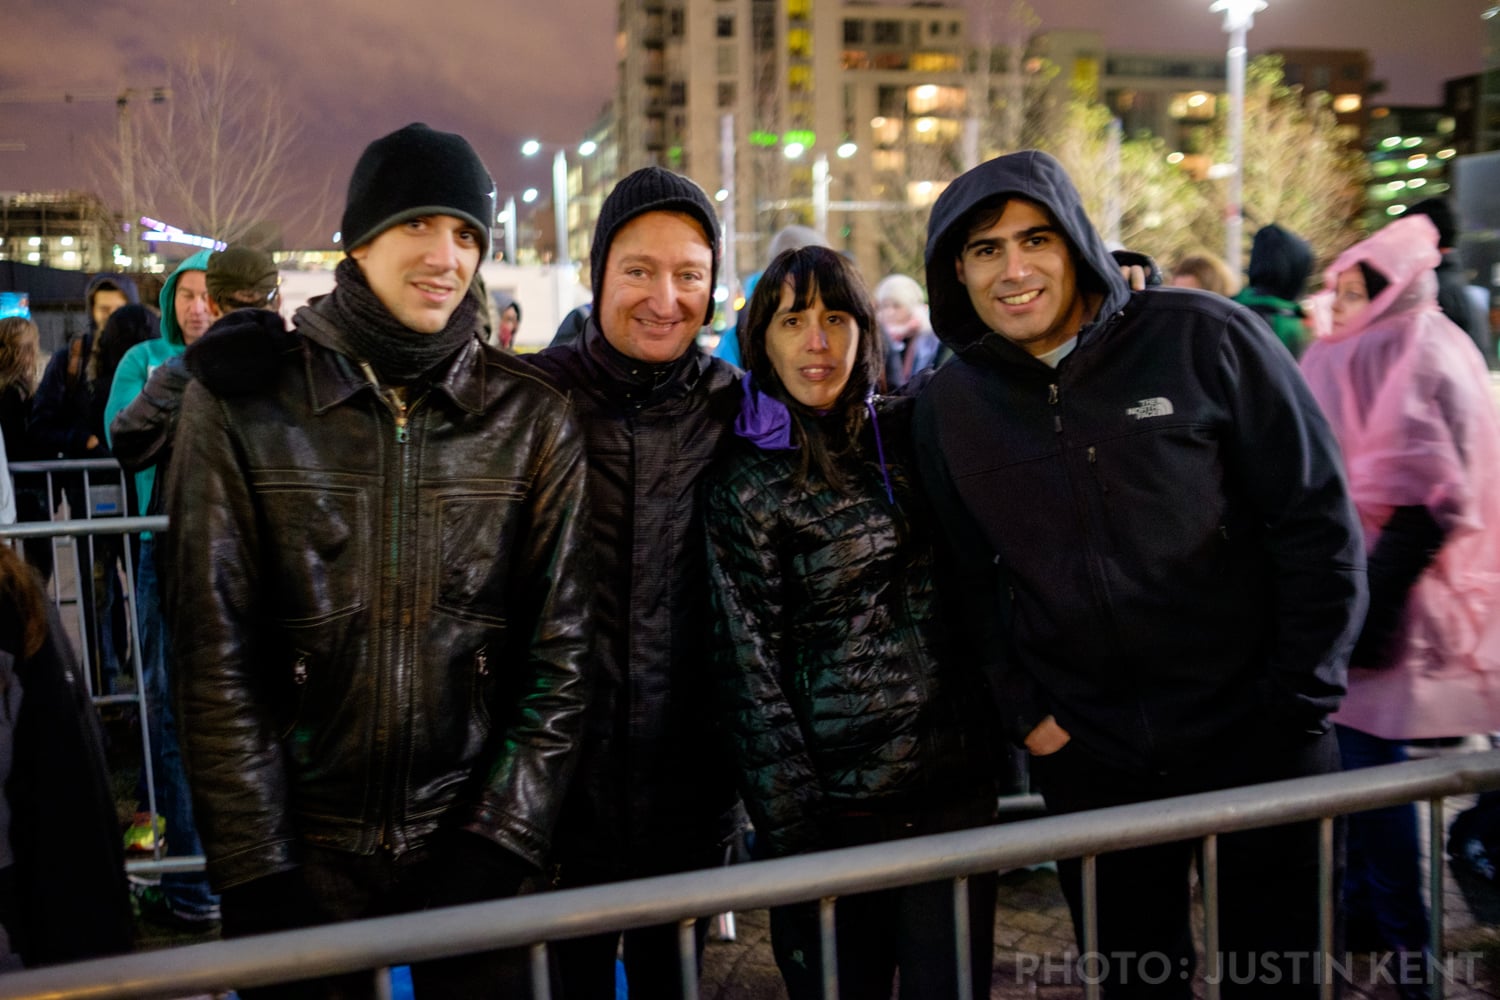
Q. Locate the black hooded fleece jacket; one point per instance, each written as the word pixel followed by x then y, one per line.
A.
pixel 1152 542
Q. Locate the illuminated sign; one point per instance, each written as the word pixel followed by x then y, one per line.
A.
pixel 159 232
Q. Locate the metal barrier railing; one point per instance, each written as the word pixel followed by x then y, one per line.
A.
pixel 103 502
pixel 532 921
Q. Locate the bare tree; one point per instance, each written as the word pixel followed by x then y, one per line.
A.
pixel 1129 188
pixel 1301 171
pixel 214 156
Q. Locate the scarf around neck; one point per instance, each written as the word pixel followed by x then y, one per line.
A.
pixel 359 326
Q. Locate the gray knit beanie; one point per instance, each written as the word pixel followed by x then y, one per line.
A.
pixel 412 172
pixel 652 189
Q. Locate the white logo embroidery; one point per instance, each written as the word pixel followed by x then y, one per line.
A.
pixel 1159 406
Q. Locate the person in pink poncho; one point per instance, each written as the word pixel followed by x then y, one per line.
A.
pixel 1409 401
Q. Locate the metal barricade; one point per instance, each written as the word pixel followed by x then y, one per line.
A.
pixel 100 484
pixel 532 921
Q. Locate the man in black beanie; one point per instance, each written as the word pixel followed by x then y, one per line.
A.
pixel 652 795
pixel 380 592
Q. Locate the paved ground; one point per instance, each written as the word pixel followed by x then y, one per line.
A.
pixel 1032 928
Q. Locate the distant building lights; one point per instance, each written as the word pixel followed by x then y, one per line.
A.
pixel 846 150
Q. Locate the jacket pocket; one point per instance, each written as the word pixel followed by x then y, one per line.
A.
pixel 321 556
pixel 474 556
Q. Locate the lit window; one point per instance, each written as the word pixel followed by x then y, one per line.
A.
pixel 1346 104
pixel 70 256
pixel 35 241
pixel 66 241
pixel 33 256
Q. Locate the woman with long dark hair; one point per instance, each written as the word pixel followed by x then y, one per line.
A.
pixel 18 377
pixel 842 702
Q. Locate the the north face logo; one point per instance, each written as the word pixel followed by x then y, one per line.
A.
pixel 1160 406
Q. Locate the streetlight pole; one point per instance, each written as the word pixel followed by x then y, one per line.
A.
pixel 560 206
pixel 510 229
pixel 531 147
pixel 1239 15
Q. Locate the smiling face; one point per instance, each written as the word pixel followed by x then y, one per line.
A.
pixel 813 349
pixel 1021 279
pixel 420 269
pixel 656 286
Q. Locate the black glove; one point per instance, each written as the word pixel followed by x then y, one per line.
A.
pixel 277 902
pixel 467 868
pixel 1407 545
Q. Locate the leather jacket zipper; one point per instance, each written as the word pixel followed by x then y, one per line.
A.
pixel 393 401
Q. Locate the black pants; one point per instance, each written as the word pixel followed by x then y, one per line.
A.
pixel 910 928
pixel 342 886
pixel 585 967
pixel 1268 885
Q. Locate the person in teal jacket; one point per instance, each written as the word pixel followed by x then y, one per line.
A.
pixel 185 317
pixel 183 901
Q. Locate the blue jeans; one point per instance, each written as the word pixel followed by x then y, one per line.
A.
pixel 1384 877
pixel 187 893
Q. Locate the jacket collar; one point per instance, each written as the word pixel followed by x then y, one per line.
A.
pixel 332 378
pixel 624 383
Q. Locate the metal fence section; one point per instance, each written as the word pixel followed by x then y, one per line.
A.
pixel 531 921
pixel 99 486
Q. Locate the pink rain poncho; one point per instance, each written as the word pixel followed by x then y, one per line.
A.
pixel 1409 399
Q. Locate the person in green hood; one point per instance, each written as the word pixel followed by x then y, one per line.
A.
pixel 183 900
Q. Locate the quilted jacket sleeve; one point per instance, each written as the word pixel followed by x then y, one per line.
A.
pixel 777 776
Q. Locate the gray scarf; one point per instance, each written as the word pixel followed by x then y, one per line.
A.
pixel 359 326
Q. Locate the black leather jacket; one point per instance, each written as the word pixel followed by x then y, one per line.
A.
pixel 840 692
pixel 379 626
pixel 651 795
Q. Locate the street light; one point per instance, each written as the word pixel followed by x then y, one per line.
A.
pixel 1239 15
pixel 587 148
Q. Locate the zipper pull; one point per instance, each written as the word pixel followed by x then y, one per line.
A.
pixel 299 671
pixel 402 436
pixel 1052 394
pixel 482 661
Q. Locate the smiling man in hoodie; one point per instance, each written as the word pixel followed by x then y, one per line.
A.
pixel 1157 563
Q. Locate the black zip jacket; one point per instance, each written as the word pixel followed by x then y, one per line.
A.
pixel 1153 541
pixel 652 795
pixel 381 619
pixel 839 689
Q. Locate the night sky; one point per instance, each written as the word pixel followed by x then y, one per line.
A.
pixel 502 72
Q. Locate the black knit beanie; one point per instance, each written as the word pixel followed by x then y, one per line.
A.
pixel 652 189
pixel 413 172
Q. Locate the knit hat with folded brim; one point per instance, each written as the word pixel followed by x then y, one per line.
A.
pixel 652 189
pixel 413 172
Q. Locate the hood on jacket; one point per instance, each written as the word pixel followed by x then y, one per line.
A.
pixel 123 283
pixel 1280 263
pixel 171 332
pixel 1404 252
pixel 1038 177
pixel 503 301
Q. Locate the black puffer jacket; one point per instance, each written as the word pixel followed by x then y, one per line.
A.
pixel 840 693
pixel 378 628
pixel 651 795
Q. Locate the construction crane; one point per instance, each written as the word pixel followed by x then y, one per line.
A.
pixel 124 133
